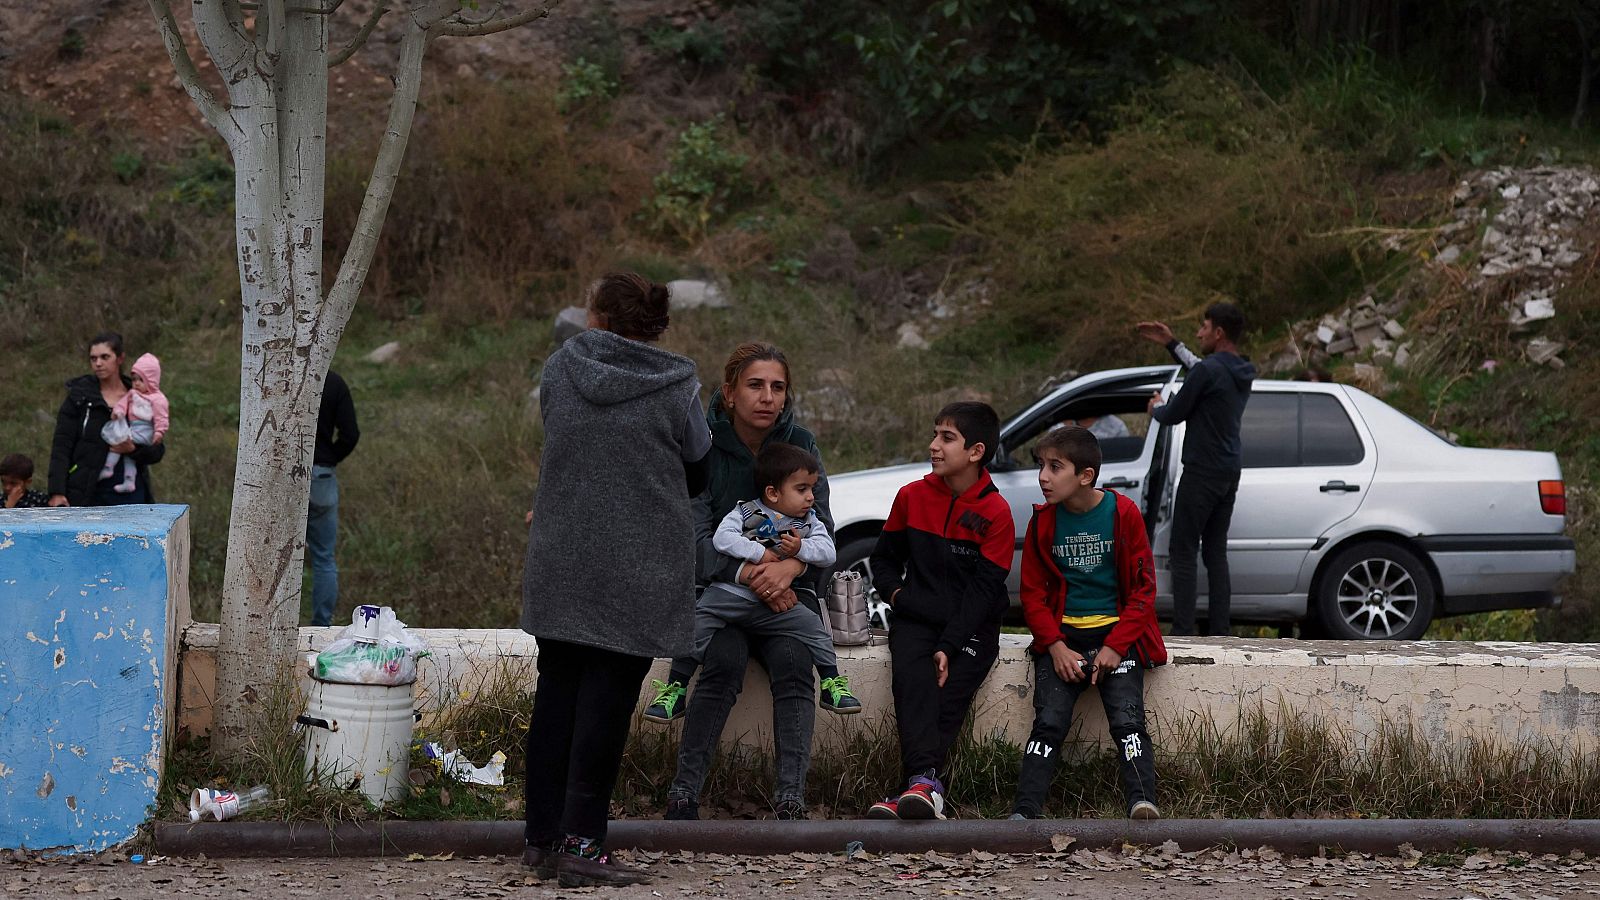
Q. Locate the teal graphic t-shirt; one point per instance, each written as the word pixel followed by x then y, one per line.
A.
pixel 1083 553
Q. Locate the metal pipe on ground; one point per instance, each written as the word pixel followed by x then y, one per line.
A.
pixel 1303 837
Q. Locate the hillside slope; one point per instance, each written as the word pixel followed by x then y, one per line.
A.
pixel 979 264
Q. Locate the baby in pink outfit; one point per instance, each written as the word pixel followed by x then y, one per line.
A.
pixel 142 416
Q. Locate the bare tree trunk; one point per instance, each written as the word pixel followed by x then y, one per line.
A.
pixel 279 200
pixel 275 125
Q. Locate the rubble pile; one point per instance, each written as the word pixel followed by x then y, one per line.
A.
pixel 1521 223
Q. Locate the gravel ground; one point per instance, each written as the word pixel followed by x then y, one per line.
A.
pixel 1135 872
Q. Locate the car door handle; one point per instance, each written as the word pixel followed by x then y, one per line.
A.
pixel 1340 487
pixel 1120 482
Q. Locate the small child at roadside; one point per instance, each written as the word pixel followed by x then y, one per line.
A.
pixel 1088 595
pixel 142 416
pixel 779 525
pixel 942 561
pixel 16 475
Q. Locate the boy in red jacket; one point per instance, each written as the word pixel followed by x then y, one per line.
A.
pixel 1089 597
pixel 941 562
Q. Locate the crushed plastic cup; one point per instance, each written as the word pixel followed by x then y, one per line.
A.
pixel 453 764
pixel 222 805
pixel 364 623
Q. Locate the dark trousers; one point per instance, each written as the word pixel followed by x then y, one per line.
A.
pixel 582 707
pixel 106 495
pixel 1122 697
pixel 1201 513
pixel 794 708
pixel 928 716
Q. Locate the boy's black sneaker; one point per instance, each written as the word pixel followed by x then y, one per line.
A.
pixel 669 702
pixel 791 811
pixel 681 809
pixel 1144 810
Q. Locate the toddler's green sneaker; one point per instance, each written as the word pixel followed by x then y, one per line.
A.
pixel 836 696
pixel 668 704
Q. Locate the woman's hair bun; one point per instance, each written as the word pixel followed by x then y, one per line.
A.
pixel 633 306
pixel 660 300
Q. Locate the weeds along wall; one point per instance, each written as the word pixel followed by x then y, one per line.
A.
pixel 1240 728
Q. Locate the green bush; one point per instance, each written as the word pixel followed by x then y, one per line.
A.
pixel 704 176
pixel 701 45
pixel 583 83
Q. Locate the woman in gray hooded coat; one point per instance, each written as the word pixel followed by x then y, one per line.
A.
pixel 609 580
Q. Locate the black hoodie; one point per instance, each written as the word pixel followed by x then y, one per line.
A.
pixel 1212 401
pixel 78 454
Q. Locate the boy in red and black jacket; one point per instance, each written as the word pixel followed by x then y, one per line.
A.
pixel 1089 597
pixel 941 562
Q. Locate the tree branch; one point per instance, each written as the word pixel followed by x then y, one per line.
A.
pixel 464 29
pixel 178 52
pixel 220 24
pixel 360 39
pixel 277 21
pixel 463 18
pixel 335 312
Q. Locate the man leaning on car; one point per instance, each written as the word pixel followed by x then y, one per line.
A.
pixel 1212 402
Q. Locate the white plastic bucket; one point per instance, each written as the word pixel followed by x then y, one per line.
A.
pixel 360 734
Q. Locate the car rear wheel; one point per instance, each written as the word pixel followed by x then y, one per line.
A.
pixel 1375 591
pixel 853 556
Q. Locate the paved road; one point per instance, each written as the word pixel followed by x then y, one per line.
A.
pixel 1148 872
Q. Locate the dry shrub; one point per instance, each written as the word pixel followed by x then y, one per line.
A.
pixel 1206 191
pixel 503 205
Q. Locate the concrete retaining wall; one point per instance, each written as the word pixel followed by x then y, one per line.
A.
pixel 1504 691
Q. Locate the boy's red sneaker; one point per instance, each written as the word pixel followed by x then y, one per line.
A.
pixel 888 808
pixel 924 799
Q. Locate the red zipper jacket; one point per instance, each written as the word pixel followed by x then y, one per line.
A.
pixel 948 556
pixel 1044 590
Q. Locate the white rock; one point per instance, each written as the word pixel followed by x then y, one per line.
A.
pixel 1402 355
pixel 571 321
pixel 1539 308
pixel 385 353
pixel 1542 351
pixel 1325 334
pixel 1394 329
pixel 1500 265
pixel 1492 237
pixel 1449 254
pixel 687 294
pixel 911 337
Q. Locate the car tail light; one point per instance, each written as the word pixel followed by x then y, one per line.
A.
pixel 1553 497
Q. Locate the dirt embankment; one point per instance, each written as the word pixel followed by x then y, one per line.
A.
pixel 102 61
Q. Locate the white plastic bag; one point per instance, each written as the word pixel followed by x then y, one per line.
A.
pixel 116 431
pixel 375 648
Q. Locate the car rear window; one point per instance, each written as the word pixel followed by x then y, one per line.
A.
pixel 1282 430
pixel 1327 436
pixel 1270 431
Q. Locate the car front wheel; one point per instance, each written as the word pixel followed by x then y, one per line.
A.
pixel 1375 591
pixel 853 556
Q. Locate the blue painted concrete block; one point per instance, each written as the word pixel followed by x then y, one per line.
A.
pixel 93 601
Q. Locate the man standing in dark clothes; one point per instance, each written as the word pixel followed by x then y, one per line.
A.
pixel 337 434
pixel 1212 402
